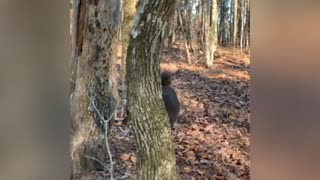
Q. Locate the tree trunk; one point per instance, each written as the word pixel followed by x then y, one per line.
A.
pixel 242 25
pixel 214 19
pixel 210 30
pixel 172 27
pixel 155 150
pixel 223 23
pixel 129 11
pixel 220 28
pixel 95 88
pixel 185 37
pixel 189 24
pixel 235 23
pixel 248 25
pixel 202 24
pixel 206 24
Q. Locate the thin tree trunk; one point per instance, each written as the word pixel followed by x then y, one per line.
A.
pixel 190 24
pixel 206 24
pixel 74 49
pixel 171 37
pixel 188 53
pixel 210 29
pixel 129 11
pixel 215 27
pixel 223 26
pixel 248 24
pixel 185 38
pixel 242 26
pixel 95 90
pixel 155 150
pixel 235 23
pixel 221 18
pixel 202 33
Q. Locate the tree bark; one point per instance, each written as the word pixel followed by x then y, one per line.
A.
pixel 155 150
pixel 214 25
pixel 129 11
pixel 185 37
pixel 210 30
pixel 235 23
pixel 242 25
pixel 95 88
pixel 248 25
pixel 172 28
pixel 202 33
pixel 189 24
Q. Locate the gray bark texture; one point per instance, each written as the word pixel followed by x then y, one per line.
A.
pixel 95 87
pixel 147 113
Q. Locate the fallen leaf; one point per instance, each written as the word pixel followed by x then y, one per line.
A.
pixel 125 157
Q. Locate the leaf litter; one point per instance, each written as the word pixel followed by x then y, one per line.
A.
pixel 212 135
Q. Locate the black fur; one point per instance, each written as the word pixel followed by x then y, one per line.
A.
pixel 170 98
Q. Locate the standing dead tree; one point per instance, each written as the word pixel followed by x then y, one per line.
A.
pixel 94 92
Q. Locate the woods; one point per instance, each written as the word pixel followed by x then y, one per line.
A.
pixel 119 49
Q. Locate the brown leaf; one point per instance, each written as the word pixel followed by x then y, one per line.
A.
pixel 209 128
pixel 195 127
pixel 133 158
pixel 186 169
pixel 125 157
pixel 190 155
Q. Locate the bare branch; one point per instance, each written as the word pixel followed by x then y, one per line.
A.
pixel 105 124
pixel 95 159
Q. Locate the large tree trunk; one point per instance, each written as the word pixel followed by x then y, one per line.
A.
pixel 155 150
pixel 95 90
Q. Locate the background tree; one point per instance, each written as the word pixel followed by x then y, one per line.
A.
pixel 185 29
pixel 210 30
pixel 129 11
pixel 155 151
pixel 242 5
pixel 94 93
pixel 248 25
pixel 172 29
pixel 235 22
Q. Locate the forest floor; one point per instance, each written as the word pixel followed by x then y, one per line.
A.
pixel 212 135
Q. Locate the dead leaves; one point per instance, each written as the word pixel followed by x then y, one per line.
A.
pixel 212 134
pixel 129 157
pixel 209 128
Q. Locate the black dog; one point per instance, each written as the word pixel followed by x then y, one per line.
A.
pixel 169 97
